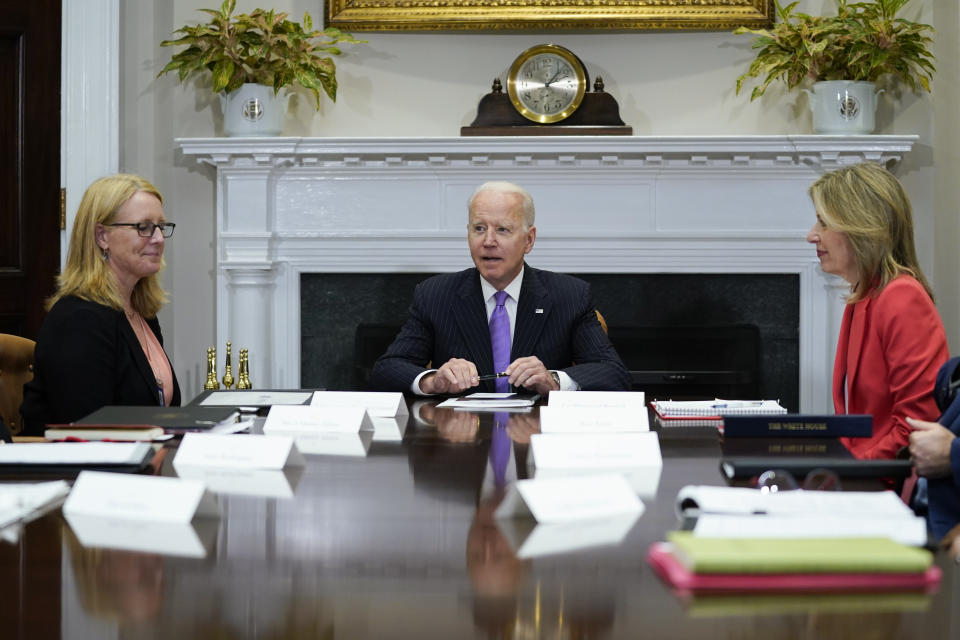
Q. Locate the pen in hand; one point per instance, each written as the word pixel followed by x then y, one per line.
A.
pixel 493 376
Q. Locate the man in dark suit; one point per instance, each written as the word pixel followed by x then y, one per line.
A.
pixel 556 341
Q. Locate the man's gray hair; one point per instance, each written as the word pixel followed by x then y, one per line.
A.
pixel 501 186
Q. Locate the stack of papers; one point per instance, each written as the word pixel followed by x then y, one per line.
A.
pixel 252 398
pixel 745 539
pixel 733 512
pixel 67 457
pixel 828 564
pixel 491 402
pixel 22 502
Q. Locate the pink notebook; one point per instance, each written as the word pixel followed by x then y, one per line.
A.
pixel 671 570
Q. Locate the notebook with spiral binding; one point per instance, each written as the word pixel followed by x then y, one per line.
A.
pixel 716 408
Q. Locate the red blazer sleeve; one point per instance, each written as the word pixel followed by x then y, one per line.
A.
pixel 904 345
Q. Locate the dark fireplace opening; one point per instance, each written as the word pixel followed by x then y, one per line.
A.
pixel 681 335
pixel 698 361
pixel 665 362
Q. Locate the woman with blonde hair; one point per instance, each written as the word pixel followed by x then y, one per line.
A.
pixel 100 343
pixel 892 340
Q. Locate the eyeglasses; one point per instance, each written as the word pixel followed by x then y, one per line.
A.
pixel 776 480
pixel 146 229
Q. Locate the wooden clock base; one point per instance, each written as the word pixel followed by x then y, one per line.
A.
pixel 597 115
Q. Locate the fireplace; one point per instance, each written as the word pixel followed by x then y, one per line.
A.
pixel 700 206
pixel 680 335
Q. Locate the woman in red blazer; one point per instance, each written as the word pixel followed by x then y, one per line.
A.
pixel 892 340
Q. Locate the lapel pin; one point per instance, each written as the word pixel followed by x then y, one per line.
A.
pixel 538 310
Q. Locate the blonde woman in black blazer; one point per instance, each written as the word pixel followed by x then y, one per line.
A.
pixel 100 343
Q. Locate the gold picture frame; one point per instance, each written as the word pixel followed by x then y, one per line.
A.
pixel 519 15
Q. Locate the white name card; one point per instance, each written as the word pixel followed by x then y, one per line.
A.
pixel 288 419
pixel 335 444
pixel 237 452
pixel 597 451
pixel 549 539
pixel 589 420
pixel 266 483
pixel 133 497
pixel 186 539
pixel 379 404
pixel 643 480
pixel 569 499
pixel 627 400
pixel 389 429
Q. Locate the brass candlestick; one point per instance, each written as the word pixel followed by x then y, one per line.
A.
pixel 243 373
pixel 211 382
pixel 228 372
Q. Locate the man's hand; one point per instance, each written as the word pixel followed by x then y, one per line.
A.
pixel 532 374
pixel 454 376
pixel 457 426
pixel 930 448
pixel 521 426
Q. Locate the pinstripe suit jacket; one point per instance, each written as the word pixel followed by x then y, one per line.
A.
pixel 555 322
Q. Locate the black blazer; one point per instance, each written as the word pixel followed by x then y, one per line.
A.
pixel 87 356
pixel 556 321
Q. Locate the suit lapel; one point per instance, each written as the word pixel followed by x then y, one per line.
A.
pixel 858 330
pixel 840 361
pixel 470 314
pixel 139 358
pixel 533 309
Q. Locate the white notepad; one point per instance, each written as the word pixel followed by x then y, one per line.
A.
pixel 716 407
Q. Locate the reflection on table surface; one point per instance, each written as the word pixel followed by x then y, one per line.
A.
pixel 402 543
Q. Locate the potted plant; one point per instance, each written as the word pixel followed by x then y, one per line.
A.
pixel 843 56
pixel 251 57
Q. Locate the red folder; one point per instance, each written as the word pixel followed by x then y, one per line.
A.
pixel 678 576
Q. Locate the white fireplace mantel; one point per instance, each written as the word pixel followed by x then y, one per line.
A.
pixel 679 204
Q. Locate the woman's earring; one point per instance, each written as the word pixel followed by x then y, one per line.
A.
pixel 105 254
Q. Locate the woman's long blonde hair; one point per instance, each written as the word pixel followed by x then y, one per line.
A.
pixel 868 204
pixel 87 273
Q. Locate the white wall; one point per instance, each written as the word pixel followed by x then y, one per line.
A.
pixel 428 84
pixel 946 167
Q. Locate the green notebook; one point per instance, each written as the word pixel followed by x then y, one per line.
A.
pixel 797 555
pixel 717 605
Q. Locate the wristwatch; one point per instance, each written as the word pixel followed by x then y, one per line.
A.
pixel 556 377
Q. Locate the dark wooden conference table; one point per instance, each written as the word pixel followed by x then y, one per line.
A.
pixel 401 543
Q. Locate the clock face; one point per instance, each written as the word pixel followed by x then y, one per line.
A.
pixel 546 83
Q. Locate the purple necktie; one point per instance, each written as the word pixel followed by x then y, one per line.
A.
pixel 500 340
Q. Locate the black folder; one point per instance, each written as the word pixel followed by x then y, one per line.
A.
pixel 171 419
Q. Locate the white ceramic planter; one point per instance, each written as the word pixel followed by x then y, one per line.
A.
pixel 254 110
pixel 843 107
